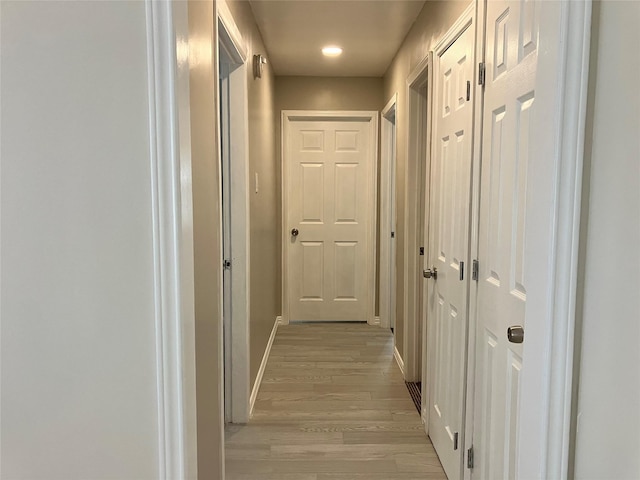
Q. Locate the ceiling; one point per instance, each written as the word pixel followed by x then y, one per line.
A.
pixel 369 31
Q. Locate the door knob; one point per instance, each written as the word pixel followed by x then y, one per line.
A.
pixel 294 232
pixel 515 334
pixel 430 273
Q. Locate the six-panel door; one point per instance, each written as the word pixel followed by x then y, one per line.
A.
pixel 330 166
pixel 449 247
pixel 509 104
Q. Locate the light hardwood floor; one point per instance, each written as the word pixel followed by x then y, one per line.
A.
pixel 332 406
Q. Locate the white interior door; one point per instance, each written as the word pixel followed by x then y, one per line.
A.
pixel 226 231
pixel 511 58
pixel 330 216
pixel 449 242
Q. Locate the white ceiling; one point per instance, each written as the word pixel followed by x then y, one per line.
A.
pixel 369 31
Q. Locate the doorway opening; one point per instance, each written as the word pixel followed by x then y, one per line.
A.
pixel 235 217
pixel 417 177
pixel 388 216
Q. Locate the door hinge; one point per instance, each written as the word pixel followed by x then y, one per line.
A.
pixel 461 271
pixel 393 234
pixel 481 73
pixel 421 250
pixel 227 264
pixel 455 441
pixel 470 458
pixel 468 90
pixel 474 270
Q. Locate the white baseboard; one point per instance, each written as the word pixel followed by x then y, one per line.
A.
pixel 263 366
pixel 399 361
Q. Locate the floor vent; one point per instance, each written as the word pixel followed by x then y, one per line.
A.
pixel 415 390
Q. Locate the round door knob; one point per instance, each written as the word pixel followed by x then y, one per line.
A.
pixel 430 273
pixel 515 334
pixel 294 232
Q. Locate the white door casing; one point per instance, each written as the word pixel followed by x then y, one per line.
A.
pixel 170 136
pixel 388 215
pixel 450 239
pixel 329 197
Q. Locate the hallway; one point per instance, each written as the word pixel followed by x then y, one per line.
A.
pixel 332 405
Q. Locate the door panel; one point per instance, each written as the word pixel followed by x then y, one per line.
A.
pixel 312 190
pixel 312 271
pixel 449 248
pixel 509 103
pixel 346 193
pixel 330 170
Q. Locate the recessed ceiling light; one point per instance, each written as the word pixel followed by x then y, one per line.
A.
pixel 331 51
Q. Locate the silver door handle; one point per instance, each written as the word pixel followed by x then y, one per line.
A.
pixel 294 232
pixel 515 334
pixel 430 273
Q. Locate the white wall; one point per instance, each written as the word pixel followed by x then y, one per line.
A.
pixel 608 435
pixel 77 309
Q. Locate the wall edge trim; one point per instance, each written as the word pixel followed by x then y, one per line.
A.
pixel 399 361
pixel 263 365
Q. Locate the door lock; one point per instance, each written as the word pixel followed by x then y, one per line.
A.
pixel 515 334
pixel 430 273
pixel 294 232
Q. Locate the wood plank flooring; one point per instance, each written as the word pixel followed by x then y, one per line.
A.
pixel 332 406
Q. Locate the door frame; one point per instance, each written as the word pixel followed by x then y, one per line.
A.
pixel 172 223
pixel 544 436
pixel 289 116
pixel 237 295
pixel 388 154
pixel 417 172
pixel 422 77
